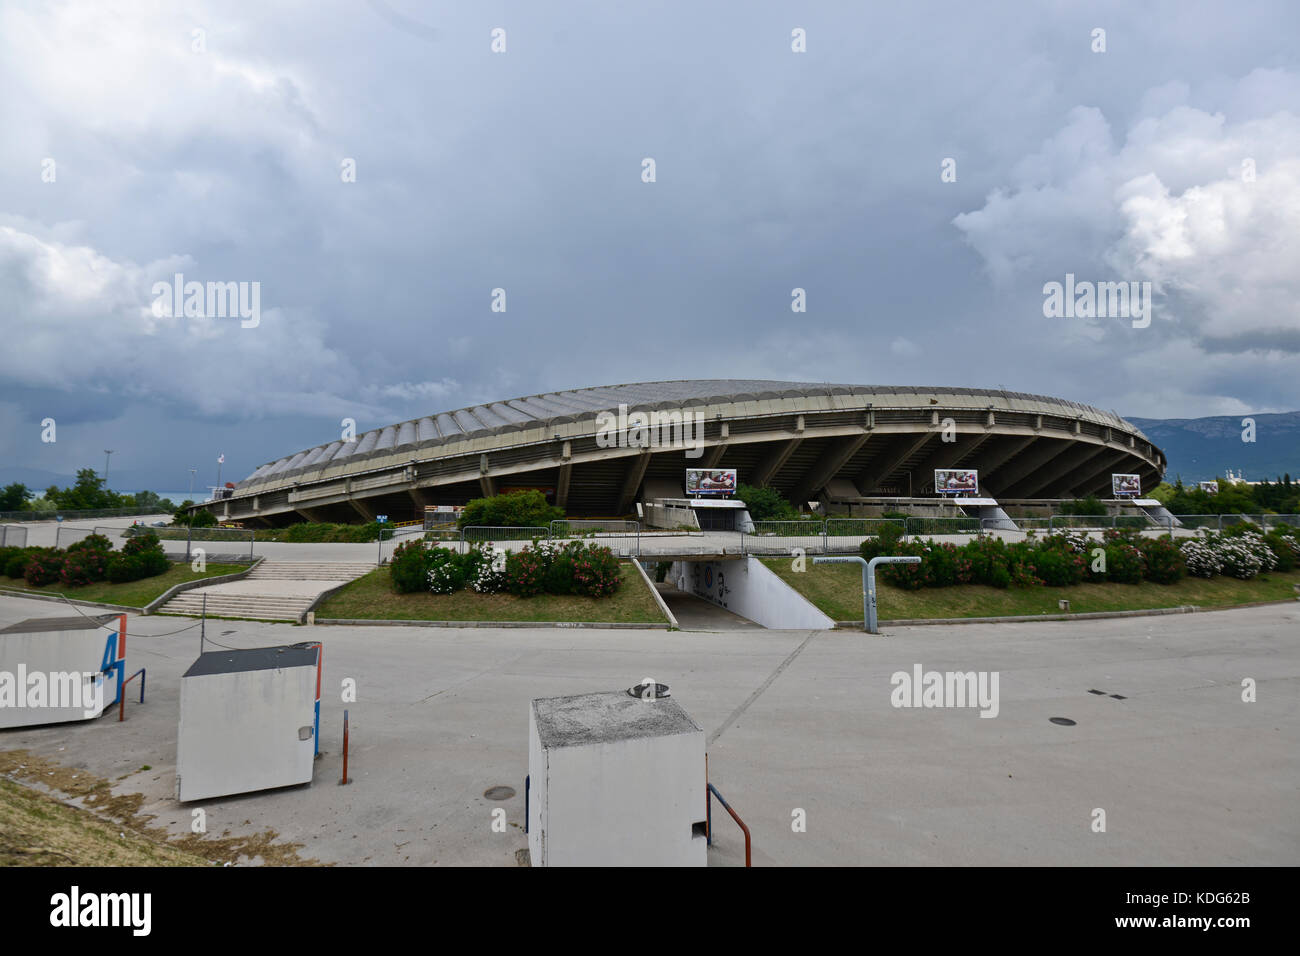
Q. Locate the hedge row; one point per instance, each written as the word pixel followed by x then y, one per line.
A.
pixel 1060 560
pixel 590 570
pixel 85 562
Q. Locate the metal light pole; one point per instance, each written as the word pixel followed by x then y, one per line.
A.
pixel 868 582
pixel 193 472
pixel 107 453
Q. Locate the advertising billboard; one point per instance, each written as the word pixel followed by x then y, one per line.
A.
pixel 1125 486
pixel 710 481
pixel 956 481
pixel 1209 487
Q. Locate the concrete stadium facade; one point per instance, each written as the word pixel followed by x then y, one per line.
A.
pixel 810 441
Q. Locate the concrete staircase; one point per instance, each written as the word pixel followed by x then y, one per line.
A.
pixel 273 591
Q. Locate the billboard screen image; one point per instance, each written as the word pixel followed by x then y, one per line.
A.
pixel 710 481
pixel 956 481
pixel 1125 486
pixel 1210 487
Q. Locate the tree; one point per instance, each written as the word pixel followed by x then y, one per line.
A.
pixel 765 504
pixel 517 509
pixel 14 497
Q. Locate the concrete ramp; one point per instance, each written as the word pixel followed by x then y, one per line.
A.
pixel 1157 512
pixel 989 512
pixel 696 614
pixel 746 587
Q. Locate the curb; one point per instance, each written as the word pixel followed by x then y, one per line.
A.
pixel 11 592
pixel 659 598
pixel 617 625
pixel 1082 616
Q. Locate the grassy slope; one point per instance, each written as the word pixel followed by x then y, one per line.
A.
pixel 130 593
pixel 38 830
pixel 372 597
pixel 837 590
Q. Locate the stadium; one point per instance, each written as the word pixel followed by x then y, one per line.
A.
pixel 847 448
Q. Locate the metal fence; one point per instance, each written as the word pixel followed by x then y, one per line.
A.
pixel 832 536
pixel 77 515
pixel 479 533
pixel 13 536
pixel 620 536
pixel 781 537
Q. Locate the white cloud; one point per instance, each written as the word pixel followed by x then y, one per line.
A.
pixel 1171 206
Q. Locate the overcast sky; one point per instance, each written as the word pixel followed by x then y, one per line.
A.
pixel 220 155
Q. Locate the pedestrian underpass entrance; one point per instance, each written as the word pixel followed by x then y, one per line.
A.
pixel 742 588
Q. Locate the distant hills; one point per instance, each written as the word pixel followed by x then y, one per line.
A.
pixel 1199 449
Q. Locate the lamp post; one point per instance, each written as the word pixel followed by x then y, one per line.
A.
pixel 107 453
pixel 193 472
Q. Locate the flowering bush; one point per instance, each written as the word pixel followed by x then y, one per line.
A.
pixel 1244 555
pixel 488 575
pixel 446 571
pixel 43 567
pixel 524 571
pixel 1124 562
pixel 1201 557
pixel 83 567
pixel 1057 564
pixel 1162 559
pixel 595 571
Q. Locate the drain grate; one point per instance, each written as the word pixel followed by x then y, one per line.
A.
pixel 499 792
pixel 1119 696
pixel 1099 693
pixel 1063 721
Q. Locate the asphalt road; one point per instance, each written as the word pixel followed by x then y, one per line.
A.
pixel 1186 772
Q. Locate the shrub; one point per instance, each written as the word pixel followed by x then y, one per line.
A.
pixel 558 576
pixel 408 569
pixel 1123 563
pixel 766 504
pixel 1162 560
pixel 595 571
pixel 126 567
pixel 16 566
pixel 911 577
pixel 1285 547
pixel 517 509
pixel 44 565
pixel 1201 558
pixel 1244 555
pixel 988 561
pixel 82 567
pixel 489 573
pixel 149 550
pixel 447 571
pixel 887 540
pixel 524 571
pixel 1058 565
pixel 1020 564
pixel 1090 506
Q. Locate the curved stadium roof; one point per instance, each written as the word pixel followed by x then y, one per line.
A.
pixel 528 440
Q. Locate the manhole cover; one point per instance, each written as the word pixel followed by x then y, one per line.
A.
pixel 1063 721
pixel 499 793
pixel 661 690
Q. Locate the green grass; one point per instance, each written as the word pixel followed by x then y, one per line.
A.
pixel 129 593
pixel 372 598
pixel 837 590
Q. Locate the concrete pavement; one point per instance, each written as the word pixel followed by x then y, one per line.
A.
pixel 1187 773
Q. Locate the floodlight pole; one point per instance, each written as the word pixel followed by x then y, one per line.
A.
pixel 868 581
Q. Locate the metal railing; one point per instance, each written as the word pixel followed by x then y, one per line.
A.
pixel 13 536
pixel 77 515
